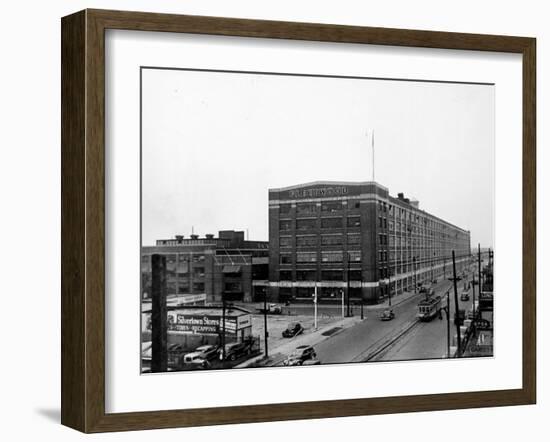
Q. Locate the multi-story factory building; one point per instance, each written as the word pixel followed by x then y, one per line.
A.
pixel 354 239
pixel 205 269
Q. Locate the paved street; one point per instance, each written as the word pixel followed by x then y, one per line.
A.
pixel 423 340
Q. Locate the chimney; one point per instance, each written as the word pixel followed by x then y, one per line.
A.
pixel 179 238
pixel 209 236
pixel 194 236
pixel 400 195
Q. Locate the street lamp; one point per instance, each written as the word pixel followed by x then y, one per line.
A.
pixel 414 270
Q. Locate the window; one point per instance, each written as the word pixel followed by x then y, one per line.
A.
pixel 306 257
pixel 380 223
pixel 306 275
pixel 284 209
pixel 306 209
pixel 198 286
pixel 233 287
pixel 306 241
pixel 306 224
pixel 286 259
pixel 285 275
pixel 355 256
pixel 355 275
pixel 356 205
pixel 354 239
pixel 198 258
pixel 331 240
pixel 331 223
pixel 354 221
pixel 331 256
pixel 285 224
pixel 385 223
pixel 304 292
pixel 331 206
pixel 183 288
pixel 331 275
pixel 198 271
pixel 285 241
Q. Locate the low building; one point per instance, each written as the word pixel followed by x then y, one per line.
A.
pixel 209 267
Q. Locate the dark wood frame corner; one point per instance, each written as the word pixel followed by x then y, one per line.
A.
pixel 83 216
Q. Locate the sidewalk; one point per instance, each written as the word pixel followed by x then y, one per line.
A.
pixel 279 352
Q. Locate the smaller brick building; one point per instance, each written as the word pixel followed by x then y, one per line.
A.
pixel 228 265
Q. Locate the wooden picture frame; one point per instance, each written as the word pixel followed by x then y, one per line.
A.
pixel 83 220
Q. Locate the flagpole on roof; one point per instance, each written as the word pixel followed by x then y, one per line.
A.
pixel 372 147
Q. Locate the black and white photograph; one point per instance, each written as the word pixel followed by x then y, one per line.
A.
pixel 295 220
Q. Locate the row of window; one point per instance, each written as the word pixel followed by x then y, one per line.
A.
pixel 326 275
pixel 311 208
pixel 326 240
pixel 326 223
pixel 307 257
pixel 180 257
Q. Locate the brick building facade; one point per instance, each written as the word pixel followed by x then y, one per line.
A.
pixel 209 266
pixel 354 238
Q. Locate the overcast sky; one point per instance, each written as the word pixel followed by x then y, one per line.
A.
pixel 214 143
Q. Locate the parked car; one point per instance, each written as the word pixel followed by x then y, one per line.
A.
pixel 293 329
pixel 423 290
pixel 176 353
pixel 387 315
pixel 465 296
pixel 236 350
pixel 207 352
pixel 313 361
pixel 201 356
pixel 272 309
pixel 195 360
pixel 300 355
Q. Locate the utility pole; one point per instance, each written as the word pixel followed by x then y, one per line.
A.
pixel 159 326
pixel 223 327
pixel 342 303
pixel 347 286
pixel 389 286
pixel 265 322
pixel 457 322
pixel 479 269
pixel 448 311
pixel 315 307
pixel 414 270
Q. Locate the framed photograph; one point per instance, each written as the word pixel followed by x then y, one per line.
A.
pixel 266 221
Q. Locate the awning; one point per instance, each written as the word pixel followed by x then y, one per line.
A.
pixel 231 269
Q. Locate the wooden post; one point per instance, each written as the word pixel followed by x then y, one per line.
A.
pixel 159 354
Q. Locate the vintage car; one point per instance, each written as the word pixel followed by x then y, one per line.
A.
pixel 195 361
pixel 465 296
pixel 299 356
pixel 387 315
pixel 176 354
pixel 207 352
pixel 236 350
pixel 293 329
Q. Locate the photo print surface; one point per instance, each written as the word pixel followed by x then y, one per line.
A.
pixel 292 220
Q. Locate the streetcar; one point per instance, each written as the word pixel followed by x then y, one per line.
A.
pixel 429 308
